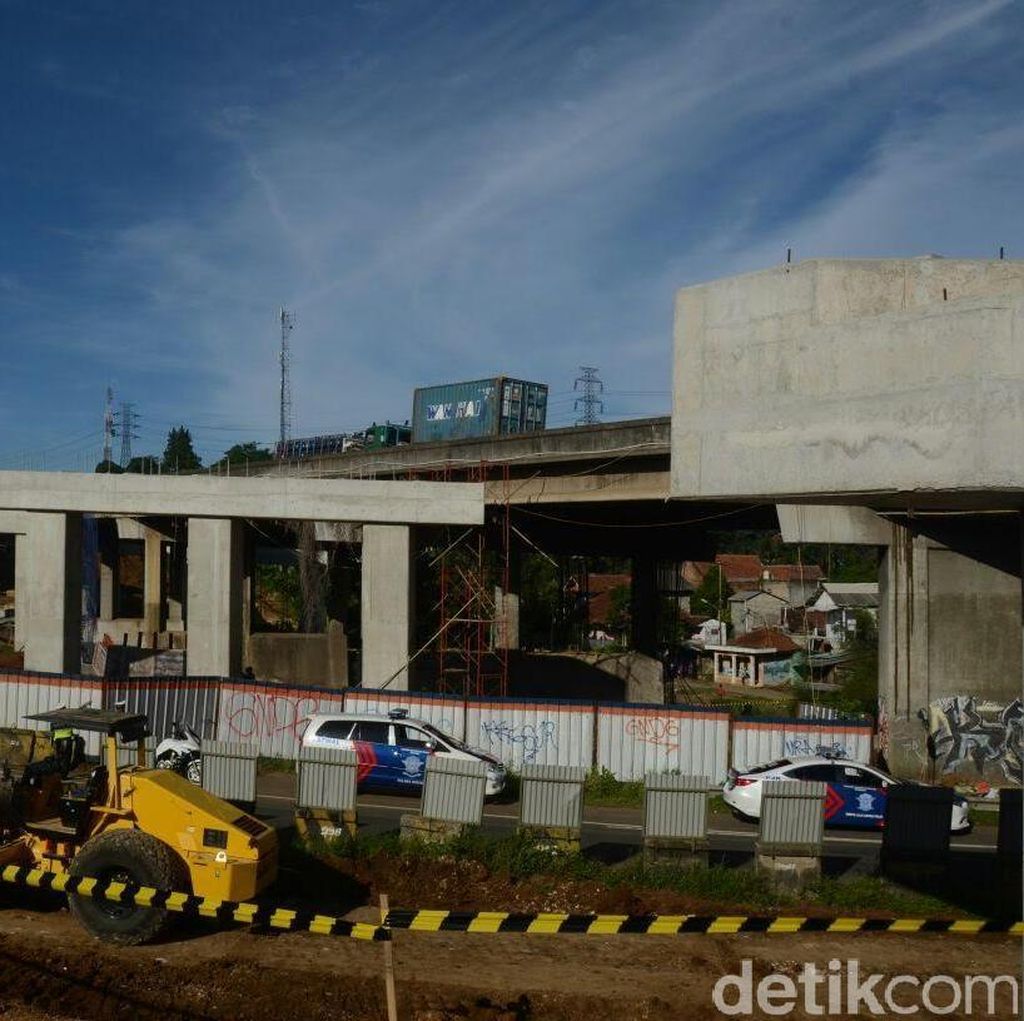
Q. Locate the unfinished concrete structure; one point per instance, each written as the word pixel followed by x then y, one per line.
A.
pixel 888 397
pixel 44 512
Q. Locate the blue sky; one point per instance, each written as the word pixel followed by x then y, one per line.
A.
pixel 447 190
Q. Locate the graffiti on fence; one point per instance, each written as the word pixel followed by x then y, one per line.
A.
pixel 802 746
pixel 965 731
pixel 254 715
pixel 651 730
pixel 532 739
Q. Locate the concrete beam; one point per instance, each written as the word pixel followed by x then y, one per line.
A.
pixel 857 379
pixel 48 587
pixel 581 488
pixel 13 523
pixel 214 606
pixel 386 605
pixel 833 524
pixel 275 497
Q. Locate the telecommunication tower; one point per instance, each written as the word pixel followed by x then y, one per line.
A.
pixel 287 325
pixel 129 419
pixel 589 402
pixel 109 426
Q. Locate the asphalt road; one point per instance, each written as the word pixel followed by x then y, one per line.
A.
pixel 611 833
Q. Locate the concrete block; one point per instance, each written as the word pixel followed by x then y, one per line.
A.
pixel 430 831
pixel 560 838
pixel 680 852
pixel 319 823
pixel 789 871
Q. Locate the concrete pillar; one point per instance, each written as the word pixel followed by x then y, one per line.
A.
pixel 645 605
pixel 506 612
pixel 153 585
pixel 107 528
pixel 214 609
pixel 506 604
pixel 48 581
pixel 386 605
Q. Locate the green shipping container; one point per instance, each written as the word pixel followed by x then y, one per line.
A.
pixel 477 409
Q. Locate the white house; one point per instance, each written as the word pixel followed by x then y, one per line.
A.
pixel 831 613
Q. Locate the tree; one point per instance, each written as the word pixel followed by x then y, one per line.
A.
pixel 108 468
pixel 179 454
pixel 146 464
pixel 243 454
pixel 712 595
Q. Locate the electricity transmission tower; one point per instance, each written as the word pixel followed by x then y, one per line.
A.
pixel 129 419
pixel 109 427
pixel 588 402
pixel 287 324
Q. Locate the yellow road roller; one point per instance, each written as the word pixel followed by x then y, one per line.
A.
pixel 124 824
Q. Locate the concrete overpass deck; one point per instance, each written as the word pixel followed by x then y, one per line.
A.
pixel 609 462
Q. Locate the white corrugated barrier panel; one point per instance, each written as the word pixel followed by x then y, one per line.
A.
pixel 168 700
pixel 634 740
pixel 520 732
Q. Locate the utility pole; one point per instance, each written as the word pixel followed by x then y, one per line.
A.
pixel 129 419
pixel 590 403
pixel 287 325
pixel 109 427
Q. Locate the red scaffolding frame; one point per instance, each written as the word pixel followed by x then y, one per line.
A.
pixel 472 644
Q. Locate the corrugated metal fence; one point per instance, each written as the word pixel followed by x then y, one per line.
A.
pixel 634 740
pixel 627 739
pixel 25 694
pixel 756 740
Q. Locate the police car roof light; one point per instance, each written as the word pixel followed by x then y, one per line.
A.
pixel 398 714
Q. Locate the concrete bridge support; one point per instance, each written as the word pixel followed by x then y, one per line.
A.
pixel 951 617
pixel 48 586
pixel 644 611
pixel 387 614
pixel 214 601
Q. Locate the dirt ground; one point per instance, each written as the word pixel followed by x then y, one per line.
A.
pixel 50 969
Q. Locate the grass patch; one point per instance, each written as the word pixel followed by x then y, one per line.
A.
pixel 269 764
pixel 519 857
pixel 984 816
pixel 602 788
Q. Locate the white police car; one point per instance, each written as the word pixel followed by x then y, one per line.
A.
pixel 392 750
pixel 856 793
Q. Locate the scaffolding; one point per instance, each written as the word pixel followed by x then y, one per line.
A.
pixel 472 644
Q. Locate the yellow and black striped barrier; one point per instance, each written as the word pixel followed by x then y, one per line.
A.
pixel 674 925
pixel 196 907
pixel 494 922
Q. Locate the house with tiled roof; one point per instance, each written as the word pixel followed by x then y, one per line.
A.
pixel 795 583
pixel 763 657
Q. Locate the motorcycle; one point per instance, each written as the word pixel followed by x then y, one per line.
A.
pixel 182 752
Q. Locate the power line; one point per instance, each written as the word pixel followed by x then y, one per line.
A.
pixel 591 404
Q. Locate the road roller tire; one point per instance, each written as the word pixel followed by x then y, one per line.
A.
pixel 124 856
